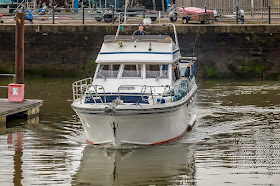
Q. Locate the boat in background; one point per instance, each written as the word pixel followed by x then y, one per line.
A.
pixel 142 93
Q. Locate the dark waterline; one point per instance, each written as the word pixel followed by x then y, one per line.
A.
pixel 235 141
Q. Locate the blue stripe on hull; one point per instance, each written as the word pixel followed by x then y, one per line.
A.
pixel 136 98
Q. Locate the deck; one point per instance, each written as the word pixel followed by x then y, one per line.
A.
pixel 29 107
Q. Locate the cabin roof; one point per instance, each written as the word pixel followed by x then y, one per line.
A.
pixel 152 49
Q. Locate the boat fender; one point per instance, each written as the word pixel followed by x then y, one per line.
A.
pixel 174 98
pixel 162 101
pixel 158 100
pixel 184 91
pixel 181 92
pixel 179 96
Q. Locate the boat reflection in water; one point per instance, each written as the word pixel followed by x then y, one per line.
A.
pixel 160 165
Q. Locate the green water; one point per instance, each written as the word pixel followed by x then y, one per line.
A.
pixel 235 141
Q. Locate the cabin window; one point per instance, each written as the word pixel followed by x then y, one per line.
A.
pixel 130 70
pixel 156 71
pixel 108 71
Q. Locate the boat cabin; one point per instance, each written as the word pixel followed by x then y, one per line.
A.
pixel 139 65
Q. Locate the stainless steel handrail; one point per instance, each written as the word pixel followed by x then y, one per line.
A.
pixel 144 89
pixel 81 87
pixel 8 75
pixel 77 87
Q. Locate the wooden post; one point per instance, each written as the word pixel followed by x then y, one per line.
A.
pixel 2 120
pixel 154 4
pixel 19 47
pixel 32 111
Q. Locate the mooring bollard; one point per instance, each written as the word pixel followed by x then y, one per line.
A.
pixel 83 15
pixel 236 14
pixel 205 15
pixel 269 14
pixel 53 15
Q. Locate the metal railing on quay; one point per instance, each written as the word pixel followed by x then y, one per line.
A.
pixel 108 15
pixel 112 15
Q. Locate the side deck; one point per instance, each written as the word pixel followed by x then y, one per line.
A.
pixel 28 108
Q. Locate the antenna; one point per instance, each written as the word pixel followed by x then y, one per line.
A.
pixel 125 11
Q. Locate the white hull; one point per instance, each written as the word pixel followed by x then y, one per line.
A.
pixel 137 128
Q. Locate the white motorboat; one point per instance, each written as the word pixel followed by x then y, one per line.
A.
pixel 142 93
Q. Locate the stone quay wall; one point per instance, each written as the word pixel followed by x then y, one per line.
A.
pixel 222 51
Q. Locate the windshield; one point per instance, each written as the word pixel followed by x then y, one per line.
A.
pixel 156 71
pixel 108 71
pixel 132 70
pixel 144 38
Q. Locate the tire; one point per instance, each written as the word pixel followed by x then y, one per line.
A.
pixel 98 18
pixel 173 17
pixel 108 20
pixel 153 18
pixel 185 21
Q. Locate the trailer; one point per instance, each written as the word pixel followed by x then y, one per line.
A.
pixel 1 21
pixel 191 14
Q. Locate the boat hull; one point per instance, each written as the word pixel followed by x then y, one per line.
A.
pixel 149 127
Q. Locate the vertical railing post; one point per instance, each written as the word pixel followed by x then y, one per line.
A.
pixel 269 14
pixel 252 8
pixel 53 15
pixel 113 15
pixel 159 17
pixel 205 15
pixel 236 14
pixel 83 15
